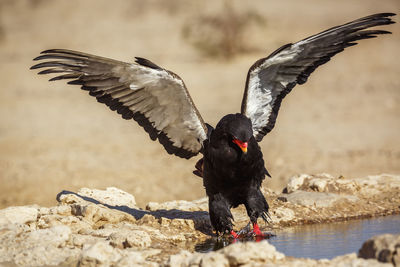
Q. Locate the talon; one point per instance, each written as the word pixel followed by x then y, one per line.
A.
pixel 266 217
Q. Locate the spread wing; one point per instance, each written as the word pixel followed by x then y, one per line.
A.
pixel 270 79
pixel 154 97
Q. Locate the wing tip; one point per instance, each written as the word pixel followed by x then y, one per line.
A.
pixel 52 51
pixel 147 63
pixel 56 50
pixel 387 14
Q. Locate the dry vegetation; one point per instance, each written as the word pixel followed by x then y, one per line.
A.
pixel 222 35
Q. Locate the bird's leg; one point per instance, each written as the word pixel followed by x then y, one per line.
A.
pixel 256 230
pixel 220 215
pixel 256 207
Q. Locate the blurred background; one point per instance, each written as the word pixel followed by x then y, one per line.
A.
pixel 344 121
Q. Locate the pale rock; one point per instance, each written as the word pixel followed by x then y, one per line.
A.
pixel 214 260
pixel 182 224
pixel 43 211
pixel 39 247
pixel 268 191
pixel 100 215
pixel 69 198
pixel 177 223
pixel 318 184
pixel 396 257
pixel 105 231
pixel 111 196
pixel 76 224
pixel 149 219
pixel 386 178
pixel 289 263
pixel 195 259
pixel 149 252
pixel 384 248
pixel 352 260
pixel 180 237
pixel 83 231
pixel 373 185
pixel 134 259
pixel 316 199
pixel 64 210
pixel 166 236
pixel 128 239
pixel 295 182
pixel 19 215
pixel 325 175
pixel 57 235
pixel 195 205
pixel 242 253
pixel 393 181
pixel 79 240
pixel 369 185
pixel 100 253
pixel 346 185
pixel 370 191
pixel 165 222
pixel 281 214
pixel 181 259
pixel 368 181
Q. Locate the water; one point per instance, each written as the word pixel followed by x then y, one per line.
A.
pixel 332 239
pixel 323 241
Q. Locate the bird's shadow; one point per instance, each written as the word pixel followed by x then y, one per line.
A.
pixel 199 218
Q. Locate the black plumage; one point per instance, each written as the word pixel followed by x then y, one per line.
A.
pixel 232 176
pixel 232 164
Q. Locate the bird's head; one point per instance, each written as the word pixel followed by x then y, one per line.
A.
pixel 238 129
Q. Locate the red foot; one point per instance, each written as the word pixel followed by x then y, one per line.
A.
pixel 256 230
pixel 234 234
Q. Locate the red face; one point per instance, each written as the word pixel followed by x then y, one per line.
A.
pixel 242 145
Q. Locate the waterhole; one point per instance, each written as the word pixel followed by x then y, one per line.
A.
pixel 320 241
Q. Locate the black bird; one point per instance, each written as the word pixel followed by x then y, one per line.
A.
pixel 232 165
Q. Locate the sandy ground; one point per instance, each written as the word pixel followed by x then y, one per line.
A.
pixel 344 120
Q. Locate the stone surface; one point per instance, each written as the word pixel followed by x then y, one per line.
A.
pixel 262 254
pixel 341 185
pixel 111 196
pixel 295 183
pixel 316 199
pixel 233 255
pixel 18 215
pixel 101 252
pixel 195 205
pixel 134 238
pixel 242 253
pixel 38 247
pixel 281 214
pixel 104 227
pixel 385 248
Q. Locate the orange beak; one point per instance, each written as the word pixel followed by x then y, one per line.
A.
pixel 242 145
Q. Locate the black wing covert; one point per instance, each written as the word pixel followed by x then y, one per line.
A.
pixel 270 79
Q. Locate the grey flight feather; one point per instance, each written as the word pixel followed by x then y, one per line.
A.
pixel 270 79
pixel 156 98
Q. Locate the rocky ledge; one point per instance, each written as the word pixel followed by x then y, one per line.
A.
pixel 105 227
